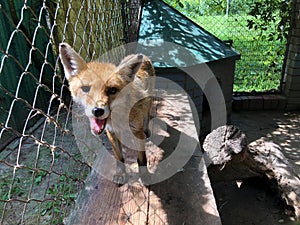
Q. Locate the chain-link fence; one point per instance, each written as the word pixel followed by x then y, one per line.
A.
pixel 252 28
pixel 41 167
pixel 260 67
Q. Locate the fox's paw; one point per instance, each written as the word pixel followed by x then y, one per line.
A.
pixel 120 179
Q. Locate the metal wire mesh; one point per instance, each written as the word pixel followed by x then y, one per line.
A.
pixel 261 61
pixel 40 163
pixel 262 54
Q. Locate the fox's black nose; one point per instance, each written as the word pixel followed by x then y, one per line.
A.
pixel 97 111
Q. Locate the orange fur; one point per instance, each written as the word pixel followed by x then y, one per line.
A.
pixel 97 85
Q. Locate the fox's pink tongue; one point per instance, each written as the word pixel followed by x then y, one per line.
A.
pixel 98 125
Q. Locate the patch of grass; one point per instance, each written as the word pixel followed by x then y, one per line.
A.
pixel 64 193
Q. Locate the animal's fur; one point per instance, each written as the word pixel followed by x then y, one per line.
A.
pixel 97 86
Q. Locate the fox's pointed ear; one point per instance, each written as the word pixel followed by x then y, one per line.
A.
pixel 71 60
pixel 129 66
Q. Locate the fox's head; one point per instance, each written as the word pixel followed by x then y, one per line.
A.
pixel 95 85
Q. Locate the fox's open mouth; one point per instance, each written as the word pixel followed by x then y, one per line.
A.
pixel 97 125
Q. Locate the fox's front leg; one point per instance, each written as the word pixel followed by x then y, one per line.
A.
pixel 120 176
pixel 142 159
pixel 146 119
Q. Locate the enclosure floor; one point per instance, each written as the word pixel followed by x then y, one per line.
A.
pixel 255 202
pixel 185 197
pixel 281 128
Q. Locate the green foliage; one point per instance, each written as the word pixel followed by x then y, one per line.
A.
pixel 258 29
pixel 175 4
pixel 212 8
pixel 63 194
pixel 271 20
pixel 239 7
pixel 6 191
pixel 39 177
pixel 274 13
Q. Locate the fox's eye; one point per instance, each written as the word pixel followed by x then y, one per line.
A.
pixel 86 89
pixel 111 91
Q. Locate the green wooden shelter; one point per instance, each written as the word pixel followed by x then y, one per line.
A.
pixel 183 51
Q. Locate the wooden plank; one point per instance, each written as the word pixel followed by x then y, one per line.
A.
pixel 134 209
pixel 186 197
pixel 183 197
pixel 102 202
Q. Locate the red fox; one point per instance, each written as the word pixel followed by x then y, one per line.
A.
pixel 96 86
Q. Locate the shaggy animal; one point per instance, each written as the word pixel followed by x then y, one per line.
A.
pixel 100 86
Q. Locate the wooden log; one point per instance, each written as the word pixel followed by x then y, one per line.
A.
pixel 230 158
pixel 268 158
pixel 223 143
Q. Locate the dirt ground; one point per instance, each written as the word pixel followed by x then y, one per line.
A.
pixel 255 201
